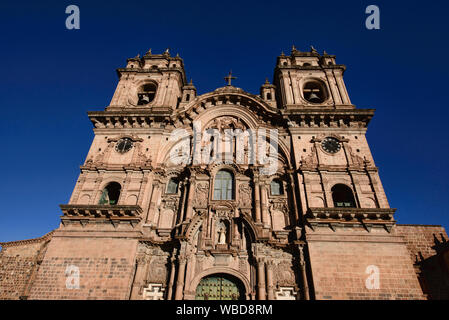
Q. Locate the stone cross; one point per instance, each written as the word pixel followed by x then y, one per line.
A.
pixel 229 77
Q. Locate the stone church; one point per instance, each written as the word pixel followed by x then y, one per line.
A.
pixel 229 195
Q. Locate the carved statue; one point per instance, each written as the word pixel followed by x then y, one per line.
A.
pixel 222 236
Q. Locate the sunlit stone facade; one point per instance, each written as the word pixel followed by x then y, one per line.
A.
pixel 173 203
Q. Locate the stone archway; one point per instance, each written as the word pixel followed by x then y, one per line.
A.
pixel 220 286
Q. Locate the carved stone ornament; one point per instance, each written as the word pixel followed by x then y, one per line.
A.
pixel 223 123
pixel 201 194
pixel 284 274
pixel 158 270
pixel 245 195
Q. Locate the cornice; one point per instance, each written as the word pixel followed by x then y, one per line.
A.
pixel 329 111
pixel 337 217
pixel 328 118
pixel 130 118
pixel 119 212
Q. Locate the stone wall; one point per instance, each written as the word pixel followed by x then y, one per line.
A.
pixel 427 246
pixel 340 263
pixel 106 268
pixel 18 262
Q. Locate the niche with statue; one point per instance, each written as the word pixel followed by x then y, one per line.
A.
pixel 222 236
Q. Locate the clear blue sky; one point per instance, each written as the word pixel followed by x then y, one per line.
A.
pixel 52 76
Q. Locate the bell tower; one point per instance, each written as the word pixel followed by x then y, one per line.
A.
pixel 328 134
pixel 151 81
pixel 310 80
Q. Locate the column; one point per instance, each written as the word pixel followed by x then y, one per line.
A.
pixel 180 280
pixel 183 200
pixel 172 279
pixel 189 208
pixel 293 189
pixel 302 267
pixel 264 204
pixel 257 198
pixel 261 279
pixel 139 278
pixel 270 280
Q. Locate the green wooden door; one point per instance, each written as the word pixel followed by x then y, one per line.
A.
pixel 219 287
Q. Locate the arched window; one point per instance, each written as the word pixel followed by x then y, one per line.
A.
pixel 276 187
pixel 224 185
pixel 315 91
pixel 146 93
pixel 342 196
pixel 268 96
pixel 110 194
pixel 172 186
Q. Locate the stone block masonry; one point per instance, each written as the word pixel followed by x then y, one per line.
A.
pixel 106 268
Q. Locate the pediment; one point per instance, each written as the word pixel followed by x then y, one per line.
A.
pixel 231 99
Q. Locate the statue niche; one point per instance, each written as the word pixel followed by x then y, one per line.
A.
pixel 222 234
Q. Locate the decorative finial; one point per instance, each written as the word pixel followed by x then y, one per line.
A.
pixel 229 77
pixel 167 51
pixel 312 49
pixel 138 56
pixel 149 52
pixel 324 52
pixel 282 54
pixel 191 82
pixel 177 55
pixel 293 48
pixel 266 81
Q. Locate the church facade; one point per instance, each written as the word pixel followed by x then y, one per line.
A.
pixel 229 196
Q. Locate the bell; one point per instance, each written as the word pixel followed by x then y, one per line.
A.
pixel 144 99
pixel 314 98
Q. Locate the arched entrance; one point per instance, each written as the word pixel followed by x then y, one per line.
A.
pixel 220 286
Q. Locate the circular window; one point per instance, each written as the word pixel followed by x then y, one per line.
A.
pixel 124 145
pixel 315 92
pixel 331 145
